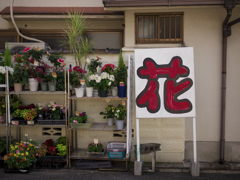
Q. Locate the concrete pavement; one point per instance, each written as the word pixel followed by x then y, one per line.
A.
pixel 72 174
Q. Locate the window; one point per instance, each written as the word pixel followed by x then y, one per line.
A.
pixel 102 39
pixel 7 36
pixel 159 28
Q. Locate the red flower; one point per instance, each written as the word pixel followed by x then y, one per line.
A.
pixel 108 65
pixel 98 58
pixel 18 160
pixel 60 60
pixel 26 49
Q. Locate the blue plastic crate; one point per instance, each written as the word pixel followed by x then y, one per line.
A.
pixel 116 150
pixel 116 155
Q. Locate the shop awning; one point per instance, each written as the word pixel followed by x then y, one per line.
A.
pixel 33 13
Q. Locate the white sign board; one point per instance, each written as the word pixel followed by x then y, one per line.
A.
pixel 164 82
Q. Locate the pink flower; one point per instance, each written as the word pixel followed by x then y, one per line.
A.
pixel 60 60
pixel 54 105
pixel 70 70
pixel 26 49
pixel 17 151
pixel 98 58
pixel 37 154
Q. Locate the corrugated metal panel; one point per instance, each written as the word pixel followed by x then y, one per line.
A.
pixel 139 3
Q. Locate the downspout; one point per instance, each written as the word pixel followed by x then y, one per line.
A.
pixel 229 5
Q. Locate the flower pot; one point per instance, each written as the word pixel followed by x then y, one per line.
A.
pixel 110 121
pixel 95 92
pixel 120 124
pixel 52 86
pixel 102 92
pixel 17 87
pixel 44 86
pixel 114 91
pixel 33 84
pixel 79 92
pixel 89 91
pixel 1 119
pixel 122 91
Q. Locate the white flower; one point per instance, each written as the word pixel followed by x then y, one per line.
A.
pixel 92 77
pixel 111 78
pixel 2 70
pixel 98 79
pixel 11 70
pixel 112 110
pixel 104 75
pixel 109 84
pixel 118 110
pixel 87 61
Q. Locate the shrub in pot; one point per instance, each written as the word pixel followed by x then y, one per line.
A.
pixel 109 114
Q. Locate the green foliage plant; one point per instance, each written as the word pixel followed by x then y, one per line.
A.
pixel 121 71
pixel 92 147
pixel 78 42
pixel 93 65
pixel 62 149
pixel 79 119
pixel 61 140
pixel 120 112
pixel 109 112
pixel 7 57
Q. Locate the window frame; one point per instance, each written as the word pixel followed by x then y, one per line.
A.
pixel 158 40
pixel 58 32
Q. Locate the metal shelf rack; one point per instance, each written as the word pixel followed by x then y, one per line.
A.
pixel 75 152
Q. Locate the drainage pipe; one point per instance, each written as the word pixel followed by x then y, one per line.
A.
pixel 223 92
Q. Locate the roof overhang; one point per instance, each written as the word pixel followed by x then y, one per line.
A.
pixel 59 13
pixel 152 3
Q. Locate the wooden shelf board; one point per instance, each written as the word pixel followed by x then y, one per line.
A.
pixel 82 154
pixel 102 127
pixel 37 92
pixel 99 98
pixel 40 125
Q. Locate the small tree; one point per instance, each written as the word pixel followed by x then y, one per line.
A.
pixel 78 42
pixel 121 71
pixel 7 57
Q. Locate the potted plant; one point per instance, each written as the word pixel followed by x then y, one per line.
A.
pixel 109 114
pixel 42 75
pixel 50 78
pixel 95 150
pixel 81 118
pixel 61 146
pixel 120 115
pixel 121 76
pixel 20 157
pixel 75 39
pixel 90 82
pixel 104 83
pixel 35 54
pixel 94 65
pixel 76 74
pixel 20 73
pixel 55 59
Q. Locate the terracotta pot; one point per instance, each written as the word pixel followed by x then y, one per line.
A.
pixel 17 87
pixel 1 119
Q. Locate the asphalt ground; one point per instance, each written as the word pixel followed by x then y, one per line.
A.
pixel 72 174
